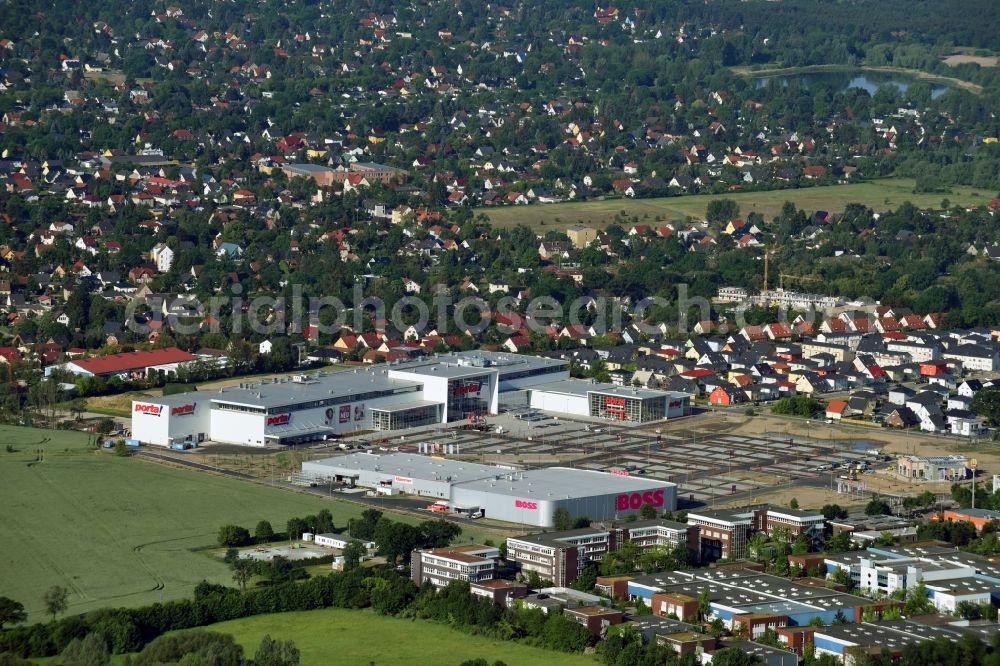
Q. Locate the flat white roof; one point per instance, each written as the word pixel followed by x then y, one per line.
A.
pixel 410 465
pixel 583 387
pixel 478 362
pixel 561 483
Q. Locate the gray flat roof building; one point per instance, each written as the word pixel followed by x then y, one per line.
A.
pixel 309 391
pixel 529 497
pixel 409 465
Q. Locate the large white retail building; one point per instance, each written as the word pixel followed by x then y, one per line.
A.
pixel 529 497
pixel 437 389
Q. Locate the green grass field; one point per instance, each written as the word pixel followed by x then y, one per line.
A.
pixel 341 636
pixel 30 440
pixel 880 195
pixel 122 531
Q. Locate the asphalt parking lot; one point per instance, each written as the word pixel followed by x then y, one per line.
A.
pixel 708 463
pixel 293 552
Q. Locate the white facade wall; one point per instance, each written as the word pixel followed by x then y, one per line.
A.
pixel 184 423
pixel 946 601
pixel 917 353
pixel 977 364
pixel 231 427
pixel 338 541
pixel 435 389
pixel 677 407
pixel 560 402
pixel 172 422
pixel 150 422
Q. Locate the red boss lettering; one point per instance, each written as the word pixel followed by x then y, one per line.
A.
pixel 524 504
pixel 636 500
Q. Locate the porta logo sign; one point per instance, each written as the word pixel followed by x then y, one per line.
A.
pixel 143 408
pixel 525 504
pixel 467 389
pixel 279 419
pixel 628 501
pixel 181 410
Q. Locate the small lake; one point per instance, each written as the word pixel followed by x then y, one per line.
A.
pixel 868 81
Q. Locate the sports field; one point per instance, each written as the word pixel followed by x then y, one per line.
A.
pixel 341 636
pixel 880 195
pixel 122 531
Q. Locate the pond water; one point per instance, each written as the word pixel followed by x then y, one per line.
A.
pixel 868 81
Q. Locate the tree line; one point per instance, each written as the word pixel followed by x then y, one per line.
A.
pixel 383 589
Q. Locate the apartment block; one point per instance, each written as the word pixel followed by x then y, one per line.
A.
pixel 561 556
pixel 724 533
pixel 950 575
pixel 440 566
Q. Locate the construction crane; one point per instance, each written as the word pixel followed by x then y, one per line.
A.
pixel 782 276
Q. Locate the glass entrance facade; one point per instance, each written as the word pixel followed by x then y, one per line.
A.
pixel 626 409
pixel 384 419
pixel 468 396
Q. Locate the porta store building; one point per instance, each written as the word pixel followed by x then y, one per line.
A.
pixel 608 401
pixel 289 410
pixel 527 497
pixel 438 389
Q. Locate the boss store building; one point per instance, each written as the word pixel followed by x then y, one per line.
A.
pixel 532 497
pixel 528 497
